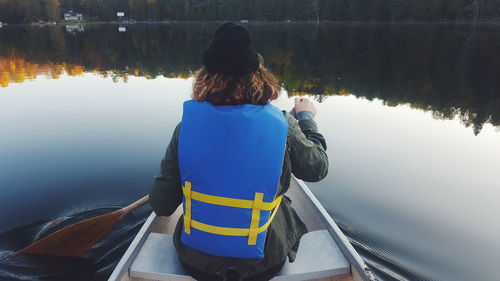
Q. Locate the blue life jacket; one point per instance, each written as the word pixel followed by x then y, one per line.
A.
pixel 230 161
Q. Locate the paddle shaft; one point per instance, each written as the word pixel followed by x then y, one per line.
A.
pixel 135 205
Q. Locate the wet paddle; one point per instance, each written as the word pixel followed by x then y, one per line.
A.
pixel 74 240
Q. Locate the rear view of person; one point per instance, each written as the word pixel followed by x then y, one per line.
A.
pixel 229 163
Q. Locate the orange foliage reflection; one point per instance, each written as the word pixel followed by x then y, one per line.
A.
pixel 18 70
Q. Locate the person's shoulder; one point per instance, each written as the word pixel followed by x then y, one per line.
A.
pixel 292 122
pixel 176 133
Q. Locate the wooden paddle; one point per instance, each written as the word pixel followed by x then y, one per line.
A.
pixel 74 240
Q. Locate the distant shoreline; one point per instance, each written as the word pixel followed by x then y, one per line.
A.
pixel 260 22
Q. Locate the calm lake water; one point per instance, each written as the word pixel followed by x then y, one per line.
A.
pixel 411 114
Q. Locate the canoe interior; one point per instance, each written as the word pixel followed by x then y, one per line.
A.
pixel 303 206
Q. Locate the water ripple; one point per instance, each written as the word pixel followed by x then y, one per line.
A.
pixel 96 265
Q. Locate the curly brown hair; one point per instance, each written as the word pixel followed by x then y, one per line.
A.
pixel 257 87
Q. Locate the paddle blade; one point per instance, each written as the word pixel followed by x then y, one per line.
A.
pixel 76 239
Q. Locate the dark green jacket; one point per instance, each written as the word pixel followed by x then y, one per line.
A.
pixel 305 157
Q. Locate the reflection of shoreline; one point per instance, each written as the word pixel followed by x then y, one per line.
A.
pixel 17 70
pixel 428 67
pixel 14 70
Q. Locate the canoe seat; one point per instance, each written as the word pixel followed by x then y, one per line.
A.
pixel 318 257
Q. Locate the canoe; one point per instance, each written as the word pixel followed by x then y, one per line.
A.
pixel 324 253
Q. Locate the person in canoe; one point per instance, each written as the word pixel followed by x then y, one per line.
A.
pixel 229 163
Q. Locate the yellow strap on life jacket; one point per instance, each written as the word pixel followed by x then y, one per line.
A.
pixel 254 223
pixel 186 189
pixel 229 202
pixel 256 205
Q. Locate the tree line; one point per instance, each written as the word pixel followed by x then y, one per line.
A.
pixel 16 11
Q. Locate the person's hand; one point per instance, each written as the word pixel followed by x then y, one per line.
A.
pixel 304 104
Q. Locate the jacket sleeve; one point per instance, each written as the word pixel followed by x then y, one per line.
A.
pixel 166 195
pixel 307 150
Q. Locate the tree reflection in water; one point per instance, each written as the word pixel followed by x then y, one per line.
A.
pixel 450 70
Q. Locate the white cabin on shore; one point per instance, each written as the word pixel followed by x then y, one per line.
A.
pixel 73 16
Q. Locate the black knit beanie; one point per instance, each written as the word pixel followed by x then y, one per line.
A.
pixel 231 51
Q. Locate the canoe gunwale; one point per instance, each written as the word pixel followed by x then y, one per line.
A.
pixel 133 249
pixel 342 242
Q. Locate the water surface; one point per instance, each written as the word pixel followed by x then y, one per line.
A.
pixel 411 114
